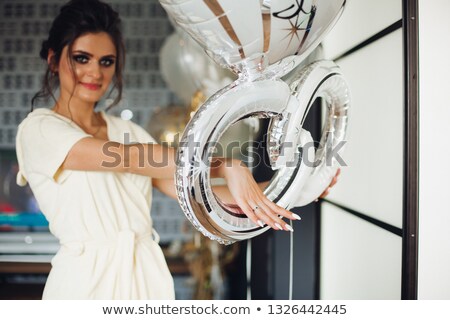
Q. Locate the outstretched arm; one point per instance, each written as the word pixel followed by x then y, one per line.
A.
pixel 158 162
pixel 91 154
pixel 226 196
pixel 241 190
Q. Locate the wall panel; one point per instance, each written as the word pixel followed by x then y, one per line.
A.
pixel 372 182
pixel 361 243
pixel 358 259
pixel 361 20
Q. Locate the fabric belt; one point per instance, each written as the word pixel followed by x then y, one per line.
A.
pixel 127 238
pixel 124 243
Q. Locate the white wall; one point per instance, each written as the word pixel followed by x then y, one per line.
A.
pixel 434 178
pixel 373 181
pixel 361 19
pixel 360 260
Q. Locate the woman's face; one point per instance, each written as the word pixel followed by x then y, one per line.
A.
pixel 94 58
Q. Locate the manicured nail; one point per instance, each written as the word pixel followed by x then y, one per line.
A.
pixel 261 224
pixel 289 228
pixel 296 216
pixel 278 226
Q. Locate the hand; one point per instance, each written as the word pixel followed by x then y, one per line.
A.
pixel 332 183
pixel 250 198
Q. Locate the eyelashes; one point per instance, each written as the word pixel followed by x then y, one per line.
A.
pixel 107 62
pixel 83 59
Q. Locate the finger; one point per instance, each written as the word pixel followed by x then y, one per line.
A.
pixel 335 178
pixel 261 214
pixel 334 181
pixel 275 220
pixel 250 213
pixel 281 211
pixel 325 193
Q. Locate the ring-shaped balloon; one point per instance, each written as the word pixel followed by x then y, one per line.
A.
pixel 263 98
pixel 294 185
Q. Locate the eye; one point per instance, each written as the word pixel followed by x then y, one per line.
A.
pixel 107 62
pixel 81 58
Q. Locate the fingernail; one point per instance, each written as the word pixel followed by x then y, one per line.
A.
pixel 260 223
pixel 278 226
pixel 296 216
pixel 289 228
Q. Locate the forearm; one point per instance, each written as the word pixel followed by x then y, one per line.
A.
pixel 151 160
pixel 220 165
pixel 166 186
pixel 157 161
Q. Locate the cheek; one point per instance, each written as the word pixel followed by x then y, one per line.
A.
pixel 78 71
pixel 110 73
pixel 66 72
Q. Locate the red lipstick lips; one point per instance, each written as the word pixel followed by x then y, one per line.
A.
pixel 91 86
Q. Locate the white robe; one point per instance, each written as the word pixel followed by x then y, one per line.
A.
pixel 109 249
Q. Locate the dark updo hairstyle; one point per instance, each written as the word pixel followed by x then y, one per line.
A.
pixel 75 19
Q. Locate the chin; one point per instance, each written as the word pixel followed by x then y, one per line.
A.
pixel 91 98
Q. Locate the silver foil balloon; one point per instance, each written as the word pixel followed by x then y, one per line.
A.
pixel 231 31
pixel 303 172
pixel 186 68
pixel 296 181
pixel 261 41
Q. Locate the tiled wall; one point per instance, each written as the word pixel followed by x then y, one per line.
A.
pixel 24 24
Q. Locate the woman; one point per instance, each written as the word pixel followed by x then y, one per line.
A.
pixel 93 187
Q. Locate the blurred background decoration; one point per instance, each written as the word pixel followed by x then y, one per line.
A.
pixel 186 68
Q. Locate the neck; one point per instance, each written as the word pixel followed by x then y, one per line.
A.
pixel 81 112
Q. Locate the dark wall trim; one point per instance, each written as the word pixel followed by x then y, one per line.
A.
pixel 411 151
pixel 318 252
pixel 393 27
pixel 386 226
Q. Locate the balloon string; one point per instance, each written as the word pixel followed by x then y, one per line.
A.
pixel 249 269
pixel 249 241
pixel 291 263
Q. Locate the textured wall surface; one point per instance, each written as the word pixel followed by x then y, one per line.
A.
pixel 24 24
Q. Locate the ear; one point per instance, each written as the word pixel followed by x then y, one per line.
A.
pixel 51 61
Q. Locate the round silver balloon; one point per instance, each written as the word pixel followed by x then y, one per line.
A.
pixel 186 68
pixel 296 181
pixel 232 31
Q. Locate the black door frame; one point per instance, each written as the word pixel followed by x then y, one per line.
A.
pixel 411 151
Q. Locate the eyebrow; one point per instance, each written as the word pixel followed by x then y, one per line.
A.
pixel 90 55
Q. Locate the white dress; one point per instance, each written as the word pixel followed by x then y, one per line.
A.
pixel 109 249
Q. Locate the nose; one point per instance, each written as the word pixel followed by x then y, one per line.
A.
pixel 94 69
